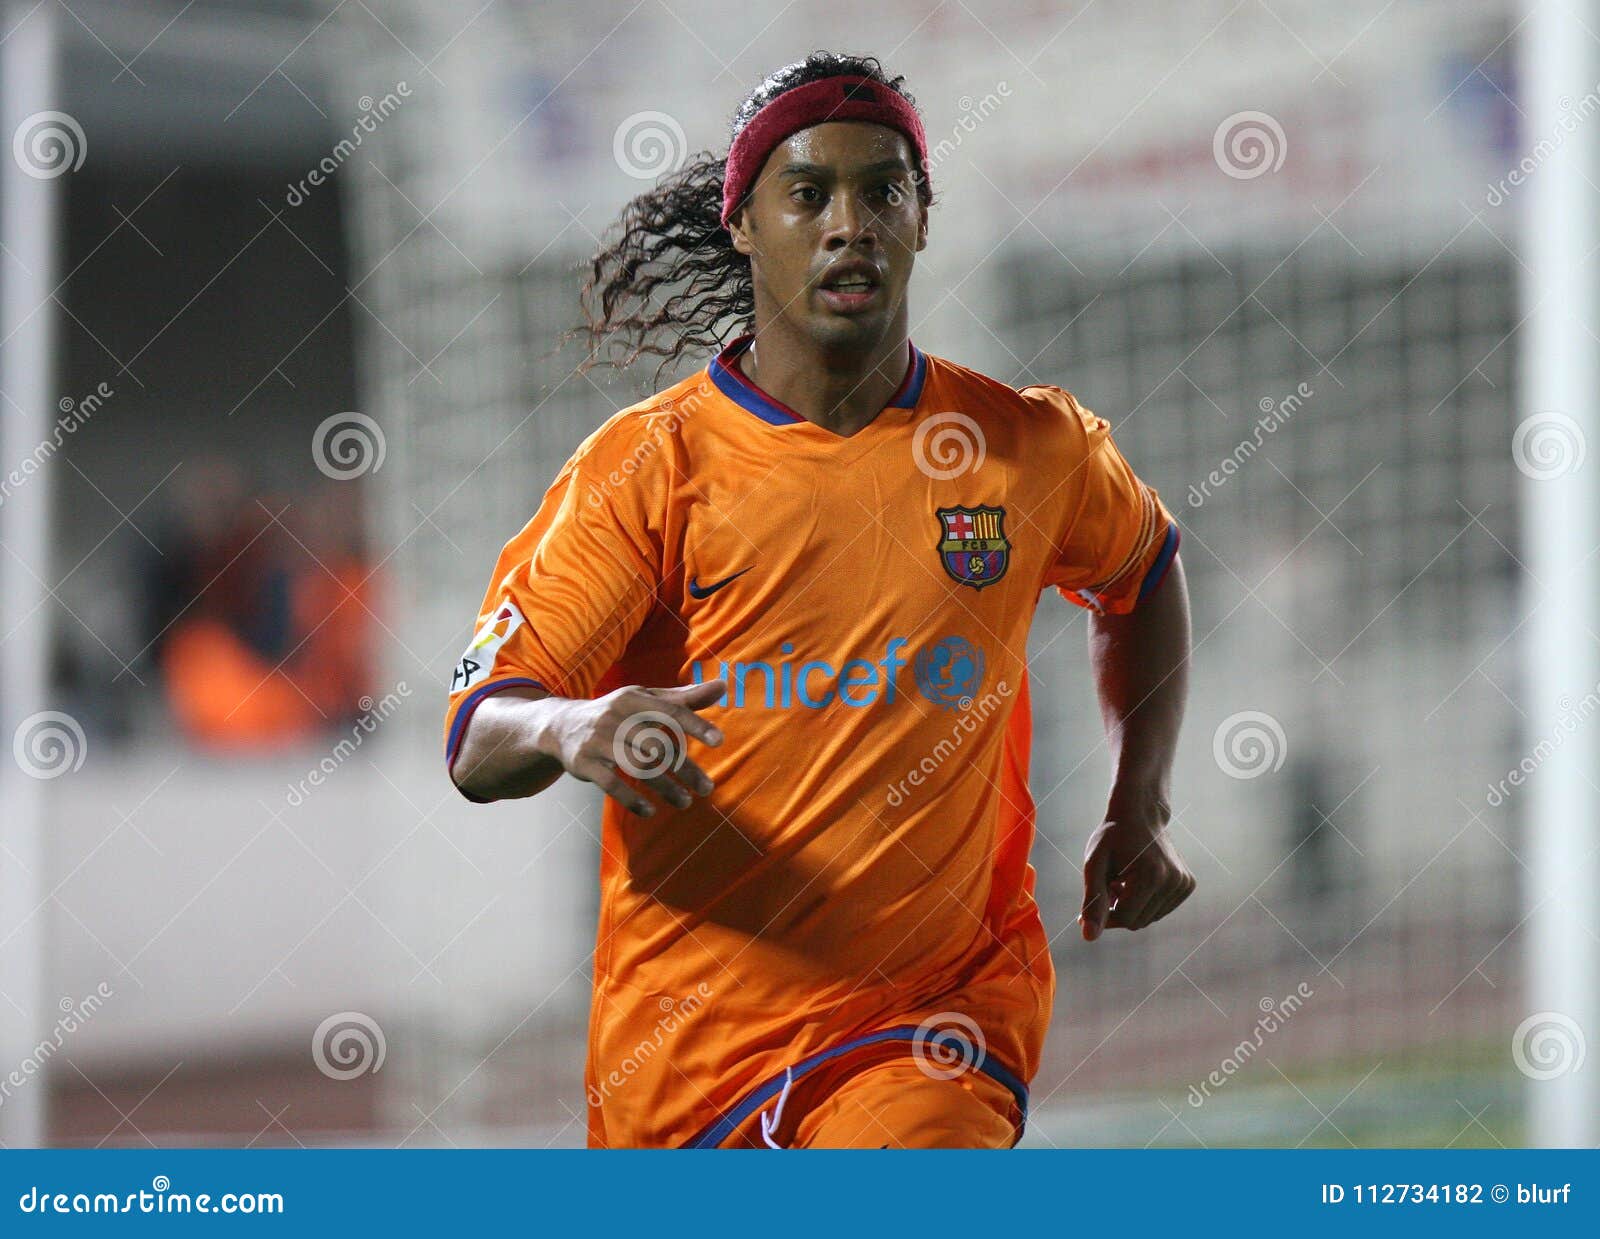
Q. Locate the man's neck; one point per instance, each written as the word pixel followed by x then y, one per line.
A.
pixel 839 391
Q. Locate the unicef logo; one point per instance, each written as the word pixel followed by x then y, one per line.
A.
pixel 950 672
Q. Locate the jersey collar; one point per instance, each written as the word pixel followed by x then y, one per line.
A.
pixel 737 388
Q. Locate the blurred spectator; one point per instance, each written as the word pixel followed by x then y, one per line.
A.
pixel 255 611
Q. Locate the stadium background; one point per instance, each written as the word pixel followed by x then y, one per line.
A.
pixel 1195 216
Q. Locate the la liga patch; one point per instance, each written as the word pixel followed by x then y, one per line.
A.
pixel 478 659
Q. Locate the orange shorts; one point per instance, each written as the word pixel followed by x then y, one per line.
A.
pixel 898 1106
pixel 882 1096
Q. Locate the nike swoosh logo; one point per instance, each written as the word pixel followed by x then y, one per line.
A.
pixel 696 590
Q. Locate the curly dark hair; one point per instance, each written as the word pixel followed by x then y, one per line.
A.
pixel 668 279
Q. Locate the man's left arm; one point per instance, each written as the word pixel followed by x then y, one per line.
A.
pixel 1132 874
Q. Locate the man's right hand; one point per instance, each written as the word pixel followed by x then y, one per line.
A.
pixel 639 732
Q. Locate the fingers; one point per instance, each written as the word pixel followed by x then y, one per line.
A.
pixel 1182 891
pixel 679 704
pixel 1096 899
pixel 604 776
pixel 1151 895
pixel 677 786
pixel 683 700
pixel 694 778
pixel 1131 898
pixel 696 696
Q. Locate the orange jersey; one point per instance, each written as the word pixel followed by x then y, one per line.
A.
pixel 861 870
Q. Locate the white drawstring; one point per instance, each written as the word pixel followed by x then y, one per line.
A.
pixel 769 1125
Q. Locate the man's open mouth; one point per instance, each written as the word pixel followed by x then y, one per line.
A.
pixel 855 276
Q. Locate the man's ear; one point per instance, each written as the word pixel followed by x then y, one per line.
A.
pixel 741 239
pixel 922 227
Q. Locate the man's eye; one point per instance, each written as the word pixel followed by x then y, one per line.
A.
pixel 894 195
pixel 806 193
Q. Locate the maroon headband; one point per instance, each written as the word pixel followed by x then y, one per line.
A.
pixel 831 98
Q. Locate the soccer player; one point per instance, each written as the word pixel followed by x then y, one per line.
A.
pixel 778 612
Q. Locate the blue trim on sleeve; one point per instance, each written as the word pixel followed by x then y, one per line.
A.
pixel 717 1132
pixel 1158 570
pixel 459 724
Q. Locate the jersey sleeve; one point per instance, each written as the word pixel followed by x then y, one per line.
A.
pixel 568 591
pixel 1119 539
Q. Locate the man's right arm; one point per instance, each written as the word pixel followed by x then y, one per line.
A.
pixel 520 739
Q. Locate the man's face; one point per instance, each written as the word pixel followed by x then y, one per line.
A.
pixel 831 229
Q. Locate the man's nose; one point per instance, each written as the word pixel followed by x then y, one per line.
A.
pixel 850 222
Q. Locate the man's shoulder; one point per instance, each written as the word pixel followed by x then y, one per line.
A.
pixel 645 427
pixel 1033 405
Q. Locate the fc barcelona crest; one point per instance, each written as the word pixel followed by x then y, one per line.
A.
pixel 973 546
